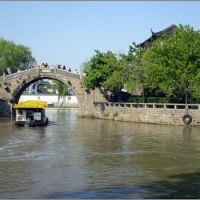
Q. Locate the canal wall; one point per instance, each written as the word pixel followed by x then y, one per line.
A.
pixel 148 113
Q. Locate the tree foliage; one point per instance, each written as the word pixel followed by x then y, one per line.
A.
pixel 84 66
pixel 14 56
pixel 107 70
pixel 114 72
pixel 134 68
pixel 101 67
pixel 173 62
pixel 60 87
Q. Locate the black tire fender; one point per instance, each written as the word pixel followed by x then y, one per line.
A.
pixel 187 119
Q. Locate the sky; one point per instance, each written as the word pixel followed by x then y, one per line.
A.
pixel 69 32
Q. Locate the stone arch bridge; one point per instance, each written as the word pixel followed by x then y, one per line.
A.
pixel 12 86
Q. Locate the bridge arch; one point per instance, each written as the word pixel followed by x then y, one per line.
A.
pixel 13 85
pixel 22 88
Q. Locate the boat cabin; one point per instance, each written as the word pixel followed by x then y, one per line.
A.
pixel 31 113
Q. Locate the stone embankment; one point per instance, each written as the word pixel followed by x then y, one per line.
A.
pixel 5 108
pixel 176 114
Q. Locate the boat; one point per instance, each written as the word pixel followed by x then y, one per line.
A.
pixel 31 113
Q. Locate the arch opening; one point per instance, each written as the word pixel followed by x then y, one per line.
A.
pixel 70 93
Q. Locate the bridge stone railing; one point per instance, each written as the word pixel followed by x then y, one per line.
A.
pixel 17 75
pixel 67 73
pixel 149 105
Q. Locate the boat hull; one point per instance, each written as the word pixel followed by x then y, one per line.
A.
pixel 31 123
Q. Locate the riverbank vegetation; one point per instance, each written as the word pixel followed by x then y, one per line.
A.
pixel 169 71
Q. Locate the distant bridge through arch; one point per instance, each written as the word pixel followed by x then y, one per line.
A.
pixel 12 86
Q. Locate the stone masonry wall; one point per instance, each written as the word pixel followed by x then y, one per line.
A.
pixel 5 109
pixel 146 115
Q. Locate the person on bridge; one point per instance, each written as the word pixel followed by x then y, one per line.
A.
pixel 42 66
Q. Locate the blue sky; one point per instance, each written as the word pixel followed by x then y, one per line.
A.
pixel 69 32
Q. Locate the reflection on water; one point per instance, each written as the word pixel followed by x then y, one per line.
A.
pixel 92 158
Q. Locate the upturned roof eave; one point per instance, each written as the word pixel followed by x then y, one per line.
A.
pixel 157 34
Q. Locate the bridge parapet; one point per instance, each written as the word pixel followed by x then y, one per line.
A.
pixel 150 105
pixel 17 75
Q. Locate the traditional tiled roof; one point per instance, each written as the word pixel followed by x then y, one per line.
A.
pixel 169 31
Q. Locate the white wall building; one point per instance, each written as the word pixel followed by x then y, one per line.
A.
pixel 52 100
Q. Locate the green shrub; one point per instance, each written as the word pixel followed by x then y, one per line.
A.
pixel 115 114
pixel 106 114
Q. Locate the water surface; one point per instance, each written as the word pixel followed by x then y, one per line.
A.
pixel 91 158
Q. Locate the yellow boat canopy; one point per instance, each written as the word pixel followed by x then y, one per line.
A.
pixel 31 104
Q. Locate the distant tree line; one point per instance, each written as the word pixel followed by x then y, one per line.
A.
pixel 169 71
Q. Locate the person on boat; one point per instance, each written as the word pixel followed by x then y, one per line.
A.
pixel 29 115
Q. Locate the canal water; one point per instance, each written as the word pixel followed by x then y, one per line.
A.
pixel 92 158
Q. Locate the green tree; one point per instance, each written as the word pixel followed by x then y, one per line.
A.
pixel 22 56
pixel 105 70
pixel 14 56
pixel 134 68
pixel 84 66
pixel 61 88
pixel 173 63
pixel 114 72
pixel 101 66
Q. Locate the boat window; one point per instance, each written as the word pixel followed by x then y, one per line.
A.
pixel 20 112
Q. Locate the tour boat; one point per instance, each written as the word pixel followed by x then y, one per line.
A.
pixel 31 113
